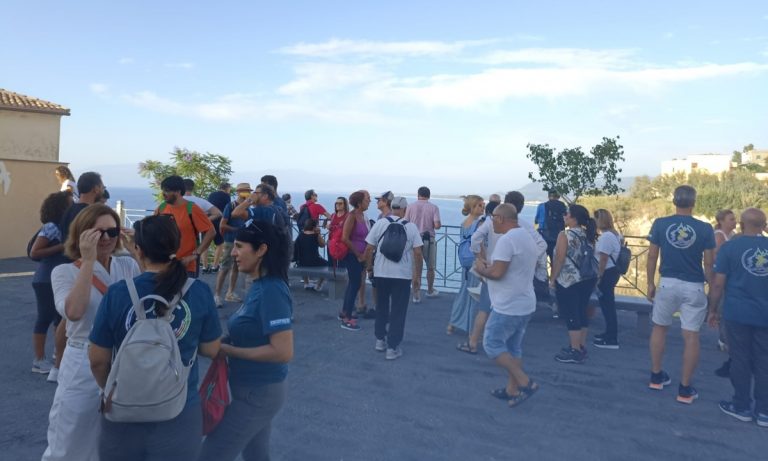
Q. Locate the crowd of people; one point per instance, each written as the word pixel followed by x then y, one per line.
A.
pixel 97 280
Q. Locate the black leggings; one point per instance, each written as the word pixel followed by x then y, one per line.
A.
pixel 572 303
pixel 46 308
pixel 607 300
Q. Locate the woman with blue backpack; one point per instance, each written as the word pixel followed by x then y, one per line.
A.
pixel 474 210
pixel 574 274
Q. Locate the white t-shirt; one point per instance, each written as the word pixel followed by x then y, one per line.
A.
pixel 385 267
pixel 201 202
pixel 610 244
pixel 71 184
pixel 513 293
pixel 63 279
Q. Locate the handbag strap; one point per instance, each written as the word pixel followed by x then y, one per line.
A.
pixel 97 283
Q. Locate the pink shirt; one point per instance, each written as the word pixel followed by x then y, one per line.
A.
pixel 424 214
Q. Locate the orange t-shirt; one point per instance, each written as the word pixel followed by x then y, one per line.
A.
pixel 188 237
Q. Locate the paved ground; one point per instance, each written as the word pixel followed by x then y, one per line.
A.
pixel 345 402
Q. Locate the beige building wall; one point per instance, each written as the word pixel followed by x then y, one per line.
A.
pixel 23 187
pixel 29 136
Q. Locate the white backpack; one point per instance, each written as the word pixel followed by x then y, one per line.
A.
pixel 148 379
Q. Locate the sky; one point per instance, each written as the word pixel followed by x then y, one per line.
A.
pixel 390 95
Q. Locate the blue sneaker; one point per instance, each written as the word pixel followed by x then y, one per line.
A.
pixel 729 408
pixel 687 394
pixel 762 419
pixel 659 380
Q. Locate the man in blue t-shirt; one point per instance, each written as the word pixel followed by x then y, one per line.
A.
pixel 229 226
pixel 683 242
pixel 742 270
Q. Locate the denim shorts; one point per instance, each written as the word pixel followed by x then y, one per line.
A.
pixel 505 333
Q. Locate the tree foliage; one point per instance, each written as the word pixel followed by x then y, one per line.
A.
pixel 574 173
pixel 206 170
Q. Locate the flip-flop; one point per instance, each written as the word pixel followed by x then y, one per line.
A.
pixel 501 393
pixel 464 347
pixel 524 394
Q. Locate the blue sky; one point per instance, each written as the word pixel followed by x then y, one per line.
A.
pixel 390 95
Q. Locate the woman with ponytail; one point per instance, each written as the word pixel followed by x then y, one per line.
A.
pixel 259 347
pixel 195 322
pixel 571 290
pixel 78 288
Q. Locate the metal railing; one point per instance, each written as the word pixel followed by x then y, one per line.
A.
pixel 448 271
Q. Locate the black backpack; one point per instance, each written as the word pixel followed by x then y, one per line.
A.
pixel 392 242
pixel 302 217
pixel 587 264
pixel 625 256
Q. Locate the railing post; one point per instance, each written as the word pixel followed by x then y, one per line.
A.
pixel 120 210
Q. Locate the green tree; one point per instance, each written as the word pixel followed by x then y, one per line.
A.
pixel 574 173
pixel 748 148
pixel 736 157
pixel 207 170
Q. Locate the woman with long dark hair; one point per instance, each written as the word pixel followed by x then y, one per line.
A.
pixel 571 290
pixel 607 253
pixel 78 288
pixel 259 346
pixel 66 181
pixel 195 322
pixel 353 235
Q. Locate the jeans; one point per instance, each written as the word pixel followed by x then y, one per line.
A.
pixel 505 333
pixel 572 303
pixel 748 347
pixel 607 299
pixel 392 296
pixel 247 424
pixel 177 439
pixel 355 276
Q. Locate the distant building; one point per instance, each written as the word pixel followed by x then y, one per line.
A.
pixel 702 163
pixel 759 157
pixel 29 152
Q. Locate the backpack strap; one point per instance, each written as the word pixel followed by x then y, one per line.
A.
pixel 97 283
pixel 391 221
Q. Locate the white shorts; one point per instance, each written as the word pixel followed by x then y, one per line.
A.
pixel 673 295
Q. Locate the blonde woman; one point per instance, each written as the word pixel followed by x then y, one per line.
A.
pixel 463 304
pixel 725 229
pixel 607 253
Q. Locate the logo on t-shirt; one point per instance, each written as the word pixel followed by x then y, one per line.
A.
pixel 181 318
pixel 681 236
pixel 280 322
pixel 755 261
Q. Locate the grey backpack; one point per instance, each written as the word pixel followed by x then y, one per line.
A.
pixel 148 379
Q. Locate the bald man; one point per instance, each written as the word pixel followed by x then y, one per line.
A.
pixel 741 270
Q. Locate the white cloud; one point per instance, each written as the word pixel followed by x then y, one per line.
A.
pixel 561 57
pixel 125 61
pixel 669 35
pixel 317 77
pixel 99 88
pixel 336 47
pixel 180 65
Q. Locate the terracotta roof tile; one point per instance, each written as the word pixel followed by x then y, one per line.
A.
pixel 15 101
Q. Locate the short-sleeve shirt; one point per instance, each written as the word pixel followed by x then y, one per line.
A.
pixel 306 251
pixel 195 320
pixel 51 232
pixel 219 199
pixel 424 214
pixel 682 241
pixel 184 221
pixel 610 244
pixel 513 293
pixel 569 272
pixel 233 222
pixel 70 216
pixel 269 213
pixel 744 261
pixel 385 267
pixel 315 210
pixel 267 310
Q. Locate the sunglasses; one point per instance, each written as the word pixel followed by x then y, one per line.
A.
pixel 112 232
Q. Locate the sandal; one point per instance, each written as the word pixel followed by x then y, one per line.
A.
pixel 465 347
pixel 501 393
pixel 450 330
pixel 524 394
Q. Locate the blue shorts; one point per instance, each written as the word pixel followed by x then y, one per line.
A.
pixel 504 333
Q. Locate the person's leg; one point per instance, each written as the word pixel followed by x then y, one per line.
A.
pixel 760 368
pixel 666 303
pixel 60 340
pixel 217 255
pixel 178 439
pixel 657 343
pixel 514 368
pixel 607 287
pixel 233 280
pixel 46 313
pixel 220 278
pixel 400 292
pixel 741 350
pixel 431 266
pixel 361 306
pixel 383 292
pixel 693 312
pixel 122 441
pixel 568 302
pixel 477 329
pixel 690 356
pixel 585 289
pixel 354 273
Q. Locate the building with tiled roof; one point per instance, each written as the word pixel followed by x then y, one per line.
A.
pixel 15 101
pixel 29 153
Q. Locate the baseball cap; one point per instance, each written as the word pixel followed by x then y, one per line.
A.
pixel 388 195
pixel 244 186
pixel 399 203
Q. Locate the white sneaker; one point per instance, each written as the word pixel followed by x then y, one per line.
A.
pixel 217 301
pixel 433 294
pixel 381 345
pixel 474 292
pixel 393 354
pixel 41 366
pixel 53 376
pixel 417 297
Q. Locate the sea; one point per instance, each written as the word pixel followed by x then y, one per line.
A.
pixel 140 201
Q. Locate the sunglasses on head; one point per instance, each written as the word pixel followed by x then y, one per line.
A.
pixel 112 232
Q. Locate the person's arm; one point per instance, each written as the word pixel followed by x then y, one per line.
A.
pixel 368 257
pixel 40 248
pixel 320 239
pixel 650 270
pixel 709 258
pixel 561 249
pixel 213 213
pixel 436 220
pixel 279 349
pixel 601 263
pixel 101 362
pixel 418 262
pixel 346 233
pixel 209 349
pixel 241 210
pixel 479 236
pixel 495 271
pixel 713 299
pixel 78 298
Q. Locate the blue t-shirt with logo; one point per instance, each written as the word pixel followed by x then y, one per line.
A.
pixel 744 261
pixel 229 237
pixel 682 241
pixel 267 310
pixel 195 320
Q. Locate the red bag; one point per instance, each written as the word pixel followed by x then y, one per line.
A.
pixel 336 248
pixel 214 393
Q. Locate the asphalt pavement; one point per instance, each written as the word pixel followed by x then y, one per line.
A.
pixel 346 402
